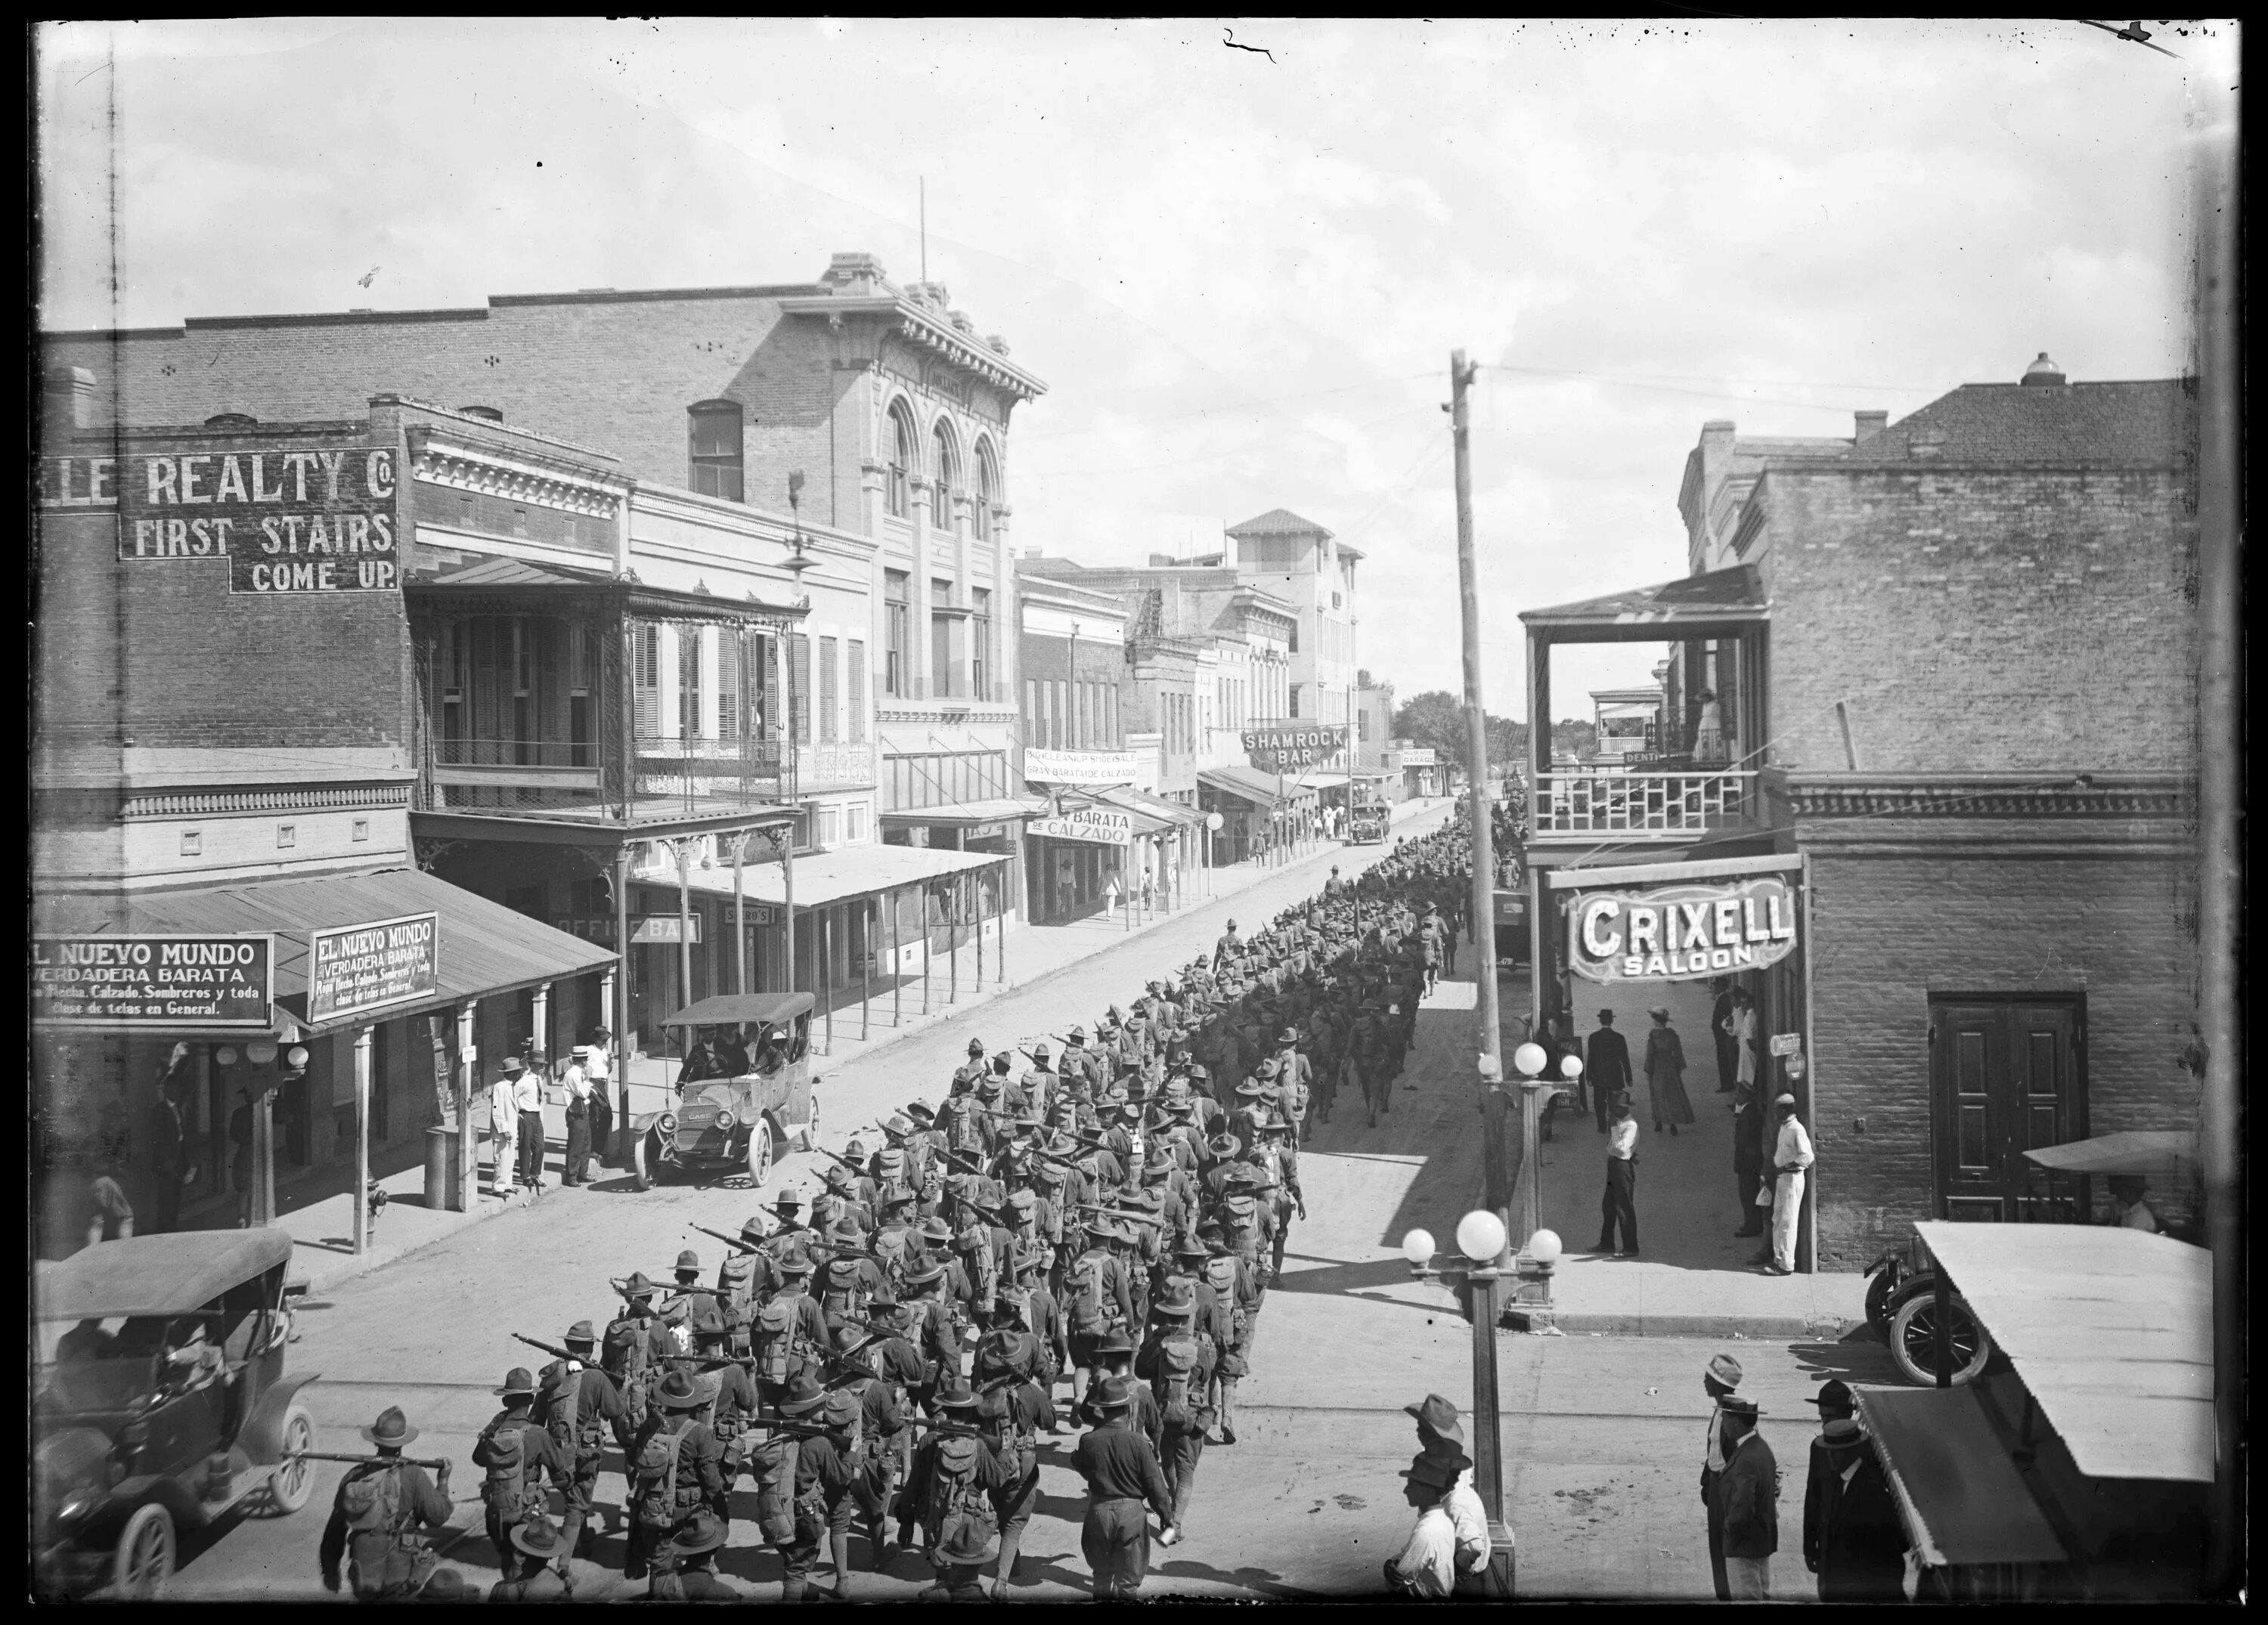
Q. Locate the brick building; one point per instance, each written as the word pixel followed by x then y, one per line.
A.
pixel 1962 726
pixel 1298 560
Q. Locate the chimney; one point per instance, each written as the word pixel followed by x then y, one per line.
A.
pixel 1163 561
pixel 1031 553
pixel 853 273
pixel 1870 424
pixel 69 397
pixel 2042 371
pixel 1717 431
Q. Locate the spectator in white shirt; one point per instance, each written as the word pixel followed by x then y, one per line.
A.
pixel 598 1062
pixel 1440 1434
pixel 503 1129
pixel 1618 1205
pixel 1791 1161
pixel 527 1096
pixel 576 1170
pixel 2128 1210
pixel 1426 1569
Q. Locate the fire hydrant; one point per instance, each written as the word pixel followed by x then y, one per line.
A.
pixel 373 1207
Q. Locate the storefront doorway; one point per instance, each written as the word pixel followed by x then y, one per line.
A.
pixel 2007 1075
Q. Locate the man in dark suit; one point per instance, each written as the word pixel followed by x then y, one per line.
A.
pixel 1852 1537
pixel 1728 1057
pixel 1748 1502
pixel 1606 1067
pixel 1749 1159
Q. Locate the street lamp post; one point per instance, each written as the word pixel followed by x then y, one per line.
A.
pixel 1530 1060
pixel 1481 1239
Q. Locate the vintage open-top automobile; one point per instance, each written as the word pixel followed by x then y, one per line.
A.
pixel 1367 823
pixel 738 1121
pixel 160 1402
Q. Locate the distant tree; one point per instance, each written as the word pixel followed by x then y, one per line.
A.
pixel 1433 718
pixel 1573 737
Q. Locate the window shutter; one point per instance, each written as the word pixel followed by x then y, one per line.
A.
pixel 858 730
pixel 729 651
pixel 646 657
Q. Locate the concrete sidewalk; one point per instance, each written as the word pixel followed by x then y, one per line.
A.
pixel 324 1230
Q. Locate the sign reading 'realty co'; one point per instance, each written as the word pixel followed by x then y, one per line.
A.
pixel 360 967
pixel 1674 932
pixel 193 983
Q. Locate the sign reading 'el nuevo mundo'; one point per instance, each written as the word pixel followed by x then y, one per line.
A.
pixel 202 983
pixel 286 520
pixel 362 967
pixel 1672 932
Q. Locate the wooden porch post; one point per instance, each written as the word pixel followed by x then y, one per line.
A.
pixel 739 916
pixel 897 980
pixel 468 1061
pixel 825 979
pixel 866 967
pixel 362 1139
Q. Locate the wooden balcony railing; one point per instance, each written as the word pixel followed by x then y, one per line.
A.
pixel 1635 803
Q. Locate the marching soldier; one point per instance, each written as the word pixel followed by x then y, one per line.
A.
pixel 637 1343
pixel 674 1469
pixel 381 1515
pixel 1012 1409
pixel 579 1407
pixel 1178 1361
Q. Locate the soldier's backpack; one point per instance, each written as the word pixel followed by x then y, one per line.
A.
pixel 771 1463
pixel 510 1488
pixel 844 1295
pixel 772 1340
pixel 1015 1440
pixel 1240 1221
pixel 890 1253
pixel 1178 1358
pixel 736 1282
pixel 1087 1302
pixel 626 1357
pixel 580 1437
pixel 964 1128
pixel 654 1476
pixel 1220 1275
pixel 956 1500
pixel 373 1505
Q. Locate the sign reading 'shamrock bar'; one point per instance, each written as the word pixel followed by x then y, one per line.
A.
pixel 286 519
pixel 362 967
pixel 1671 933
pixel 1293 747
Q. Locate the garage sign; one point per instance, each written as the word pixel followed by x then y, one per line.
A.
pixel 1674 933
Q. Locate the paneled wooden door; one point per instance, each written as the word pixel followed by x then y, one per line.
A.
pixel 2008 1076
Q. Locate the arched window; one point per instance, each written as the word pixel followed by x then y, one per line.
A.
pixel 944 467
pixel 896 495
pixel 231 420
pixel 713 433
pixel 988 488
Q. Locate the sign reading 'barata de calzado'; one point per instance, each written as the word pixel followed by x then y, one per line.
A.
pixel 205 983
pixel 1672 932
pixel 286 520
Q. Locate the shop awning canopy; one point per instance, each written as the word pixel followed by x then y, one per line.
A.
pixel 1265 790
pixel 2150 1153
pixel 529 584
pixel 967 815
pixel 1719 603
pixel 1960 1496
pixel 1157 807
pixel 2110 1329
pixel 485 948
pixel 157 1274
pixel 843 874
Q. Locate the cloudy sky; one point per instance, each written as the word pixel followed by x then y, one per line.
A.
pixel 1240 271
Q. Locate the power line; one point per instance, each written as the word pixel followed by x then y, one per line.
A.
pixel 1229 406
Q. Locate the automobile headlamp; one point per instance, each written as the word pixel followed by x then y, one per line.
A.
pixel 725 1120
pixel 668 1123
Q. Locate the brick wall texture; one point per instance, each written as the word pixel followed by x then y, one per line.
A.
pixel 1982 620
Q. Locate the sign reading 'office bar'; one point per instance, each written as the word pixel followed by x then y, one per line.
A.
pixel 221 984
pixel 1292 747
pixel 1676 932
pixel 287 521
pixel 361 968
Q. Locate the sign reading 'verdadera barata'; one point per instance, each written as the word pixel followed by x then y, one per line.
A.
pixel 1079 767
pixel 1292 747
pixel 1672 932
pixel 360 967
pixel 205 983
pixel 286 520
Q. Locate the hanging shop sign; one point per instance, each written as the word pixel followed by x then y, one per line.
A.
pixel 1420 756
pixel 1097 825
pixel 1293 747
pixel 663 928
pixel 1079 767
pixel 205 983
pixel 362 967
pixel 1672 933
pixel 287 521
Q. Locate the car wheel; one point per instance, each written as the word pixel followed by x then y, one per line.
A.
pixel 646 1160
pixel 143 1561
pixel 759 1153
pixel 1879 1292
pixel 1914 1334
pixel 291 1482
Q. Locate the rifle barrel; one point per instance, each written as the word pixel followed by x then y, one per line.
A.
pixel 438 1463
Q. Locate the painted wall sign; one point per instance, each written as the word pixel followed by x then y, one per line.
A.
pixel 1292 747
pixel 1079 767
pixel 1672 933
pixel 288 521
pixel 1785 1044
pixel 200 983
pixel 360 967
pixel 1420 756
pixel 1094 825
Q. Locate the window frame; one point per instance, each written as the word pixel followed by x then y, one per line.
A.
pixel 714 472
pixel 897 495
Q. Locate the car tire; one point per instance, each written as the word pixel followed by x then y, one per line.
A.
pixel 292 1482
pixel 759 1153
pixel 1880 1291
pixel 646 1160
pixel 143 1561
pixel 1913 1326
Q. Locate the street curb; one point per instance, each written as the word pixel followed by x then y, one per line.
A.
pixel 1751 1327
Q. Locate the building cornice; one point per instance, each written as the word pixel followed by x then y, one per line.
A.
pixel 516 475
pixel 1973 796
pixel 926 332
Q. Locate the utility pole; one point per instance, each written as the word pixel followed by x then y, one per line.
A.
pixel 1488 1453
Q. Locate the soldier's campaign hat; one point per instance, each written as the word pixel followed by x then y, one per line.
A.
pixel 1113 1394
pixel 580 1333
pixel 1289 1035
pixel 1156 1170
pixel 1048 1173
pixel 846 1228
pixel 1115 1342
pixel 1833 1398
pixel 753 1230
pixel 1222 1145
pixel 953 1394
pixel 1249 1089
pixel 678 1391
pixel 1006 1300
pixel 976 1047
pixel 1199 1072
pixel 689 1262
pixel 936 1228
pixel 1175 1300
pixel 803 1395
pixel 1191 1248
pixel 968 1545
pixel 639 1287
pixel 1027 1260
pixel 518 1381
pixel 1040 1053
pixel 787 1201
pixel 704 1532
pixel 928 1274
pixel 446 1585
pixel 1437 1418
pixel 707 1323
pixel 793 1264
pixel 538 1537
pixel 1075 1033
pixel 895 1197
pixel 842 1409
pixel 898 1122
pixel 390 1430
pixel 1733 1405
pixel 838 1174
pixel 921 1114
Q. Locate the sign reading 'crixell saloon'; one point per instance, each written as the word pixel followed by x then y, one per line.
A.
pixel 1671 933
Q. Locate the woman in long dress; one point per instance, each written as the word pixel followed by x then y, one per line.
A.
pixel 1709 737
pixel 1664 1073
